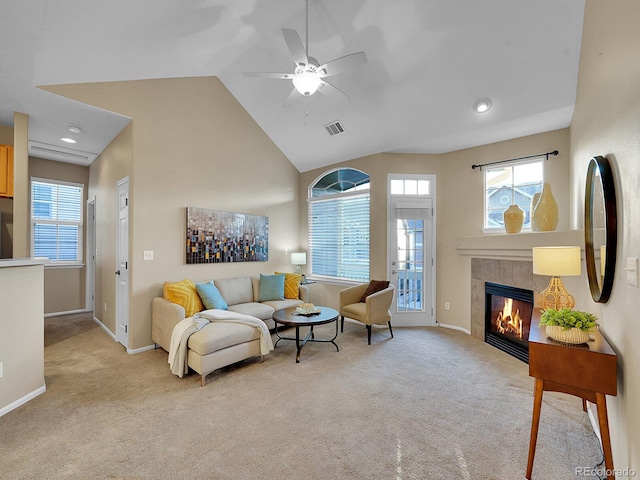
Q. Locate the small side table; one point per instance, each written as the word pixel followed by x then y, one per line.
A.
pixel 587 371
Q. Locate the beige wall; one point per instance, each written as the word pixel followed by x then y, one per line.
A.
pixel 459 209
pixel 606 121
pixel 21 333
pixel 193 145
pixel 21 215
pixel 64 288
pixel 112 165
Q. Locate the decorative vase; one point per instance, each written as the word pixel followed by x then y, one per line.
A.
pixel 545 214
pixel 570 335
pixel 513 218
pixel 532 208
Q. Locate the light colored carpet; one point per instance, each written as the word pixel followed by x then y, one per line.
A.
pixel 431 403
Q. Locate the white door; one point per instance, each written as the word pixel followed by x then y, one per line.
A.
pixel 122 260
pixel 411 261
pixel 91 257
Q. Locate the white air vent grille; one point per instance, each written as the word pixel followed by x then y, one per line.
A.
pixel 334 128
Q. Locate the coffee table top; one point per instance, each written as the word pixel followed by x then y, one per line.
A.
pixel 287 316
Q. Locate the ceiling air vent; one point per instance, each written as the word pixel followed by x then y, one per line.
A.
pixel 334 128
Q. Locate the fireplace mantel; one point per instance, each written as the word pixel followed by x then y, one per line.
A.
pixel 515 246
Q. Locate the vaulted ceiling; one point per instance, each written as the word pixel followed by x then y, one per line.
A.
pixel 429 61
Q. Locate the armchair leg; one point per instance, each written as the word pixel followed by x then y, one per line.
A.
pixel 342 323
pixel 369 334
pixel 390 331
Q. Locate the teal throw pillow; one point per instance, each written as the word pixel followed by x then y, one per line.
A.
pixel 271 287
pixel 210 296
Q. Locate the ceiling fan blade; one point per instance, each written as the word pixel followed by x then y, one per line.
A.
pixel 295 45
pixel 332 91
pixel 293 99
pixel 341 64
pixel 276 76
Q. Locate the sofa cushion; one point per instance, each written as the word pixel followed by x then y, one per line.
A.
pixel 291 285
pixel 219 335
pixel 183 293
pixel 280 304
pixel 235 290
pixel 210 296
pixel 259 310
pixel 374 287
pixel 271 287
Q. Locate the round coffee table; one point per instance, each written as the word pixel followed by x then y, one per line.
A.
pixel 290 318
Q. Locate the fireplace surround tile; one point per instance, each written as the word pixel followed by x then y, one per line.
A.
pixel 516 273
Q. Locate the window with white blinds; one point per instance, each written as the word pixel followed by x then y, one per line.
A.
pixel 57 220
pixel 338 229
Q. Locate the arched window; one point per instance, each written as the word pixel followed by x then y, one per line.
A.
pixel 338 226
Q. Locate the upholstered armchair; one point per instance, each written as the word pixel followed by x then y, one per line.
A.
pixel 374 310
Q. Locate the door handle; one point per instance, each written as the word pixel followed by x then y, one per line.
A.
pixel 117 272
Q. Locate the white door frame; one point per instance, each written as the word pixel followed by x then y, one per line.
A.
pixel 122 261
pixel 90 271
pixel 413 201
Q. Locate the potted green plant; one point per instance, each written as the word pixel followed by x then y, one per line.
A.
pixel 569 326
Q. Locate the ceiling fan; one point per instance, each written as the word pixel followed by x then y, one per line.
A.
pixel 309 76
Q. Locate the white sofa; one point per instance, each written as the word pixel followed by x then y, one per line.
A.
pixel 217 345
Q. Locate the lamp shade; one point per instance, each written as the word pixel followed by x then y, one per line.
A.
pixel 298 258
pixel 556 261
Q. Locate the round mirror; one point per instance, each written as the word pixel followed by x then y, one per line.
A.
pixel 600 228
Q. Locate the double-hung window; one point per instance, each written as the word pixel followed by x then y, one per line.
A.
pixel 56 221
pixel 338 228
pixel 508 184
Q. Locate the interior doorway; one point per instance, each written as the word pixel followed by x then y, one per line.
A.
pixel 91 257
pixel 122 263
pixel 411 248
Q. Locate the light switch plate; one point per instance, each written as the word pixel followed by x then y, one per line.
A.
pixel 148 254
pixel 632 271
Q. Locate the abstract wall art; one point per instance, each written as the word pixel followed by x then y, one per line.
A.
pixel 214 236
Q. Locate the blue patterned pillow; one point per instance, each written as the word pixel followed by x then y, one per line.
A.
pixel 271 287
pixel 210 296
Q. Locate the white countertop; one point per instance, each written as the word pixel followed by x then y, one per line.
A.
pixel 22 262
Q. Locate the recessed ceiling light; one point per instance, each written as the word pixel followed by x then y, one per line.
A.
pixel 482 106
pixel 75 129
pixel 68 140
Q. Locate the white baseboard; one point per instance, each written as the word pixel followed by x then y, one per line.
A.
pixel 68 312
pixel 115 339
pixel 141 349
pixel 23 400
pixel 454 327
pixel 95 319
pixel 593 418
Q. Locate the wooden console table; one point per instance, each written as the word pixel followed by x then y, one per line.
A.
pixel 587 371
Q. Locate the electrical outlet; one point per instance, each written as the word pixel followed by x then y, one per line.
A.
pixel 1 369
pixel 148 254
pixel 105 306
pixel 447 306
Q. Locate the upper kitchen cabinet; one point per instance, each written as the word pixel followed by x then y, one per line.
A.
pixel 6 171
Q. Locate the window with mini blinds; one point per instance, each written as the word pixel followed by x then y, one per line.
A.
pixel 56 221
pixel 338 228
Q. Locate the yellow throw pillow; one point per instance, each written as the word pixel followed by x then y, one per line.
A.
pixel 183 293
pixel 291 285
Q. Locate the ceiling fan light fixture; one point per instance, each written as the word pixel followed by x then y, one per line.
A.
pixel 307 82
pixel 482 106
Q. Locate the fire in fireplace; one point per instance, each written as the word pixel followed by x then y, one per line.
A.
pixel 508 312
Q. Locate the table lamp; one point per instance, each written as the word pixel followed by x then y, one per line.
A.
pixel 556 262
pixel 297 259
